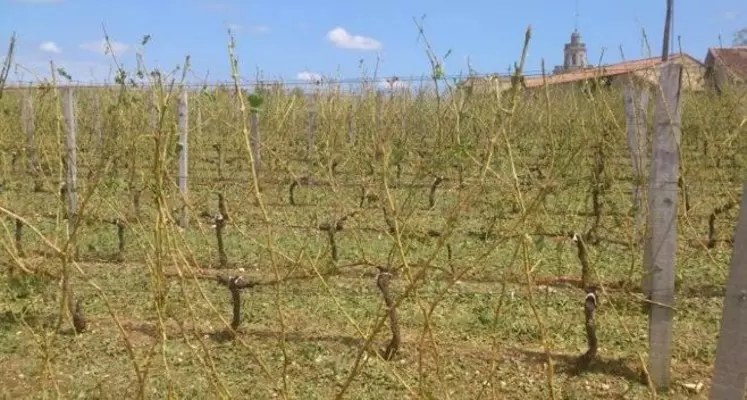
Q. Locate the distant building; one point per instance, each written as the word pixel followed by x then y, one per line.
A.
pixel 487 84
pixel 643 71
pixel 574 55
pixel 576 71
pixel 726 67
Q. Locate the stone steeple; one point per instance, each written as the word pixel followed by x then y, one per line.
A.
pixel 574 54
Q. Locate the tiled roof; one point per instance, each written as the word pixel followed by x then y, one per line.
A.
pixel 621 68
pixel 733 58
pixel 485 78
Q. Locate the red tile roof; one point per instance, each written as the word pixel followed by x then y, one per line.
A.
pixel 733 58
pixel 621 68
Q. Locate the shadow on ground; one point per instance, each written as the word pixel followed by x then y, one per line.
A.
pixel 571 364
pixel 296 337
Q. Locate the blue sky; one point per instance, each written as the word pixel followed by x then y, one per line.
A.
pixel 292 40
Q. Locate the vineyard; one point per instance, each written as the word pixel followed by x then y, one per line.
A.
pixel 167 240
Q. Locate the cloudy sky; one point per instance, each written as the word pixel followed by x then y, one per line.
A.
pixel 295 40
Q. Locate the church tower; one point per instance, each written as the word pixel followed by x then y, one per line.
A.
pixel 574 54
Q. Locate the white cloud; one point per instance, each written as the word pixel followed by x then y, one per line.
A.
pixel 50 47
pixel 103 48
pixel 730 15
pixel 309 76
pixel 341 38
pixel 260 29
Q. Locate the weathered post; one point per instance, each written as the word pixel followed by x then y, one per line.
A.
pixel 97 125
pixel 730 373
pixel 351 124
pixel 378 110
pixel 311 137
pixel 27 122
pixel 256 139
pixel 661 247
pixel 198 126
pixel 183 154
pixel 154 111
pixel 74 308
pixel 71 157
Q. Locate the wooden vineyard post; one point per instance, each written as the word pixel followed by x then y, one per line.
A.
pixel 97 125
pixel 71 157
pixel 74 308
pixel 311 138
pixel 351 123
pixel 378 126
pixel 379 105
pixel 198 125
pixel 27 122
pixel 730 373
pixel 256 140
pixel 183 155
pixel 661 246
pixel 155 120
pixel 636 113
pixel 154 111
